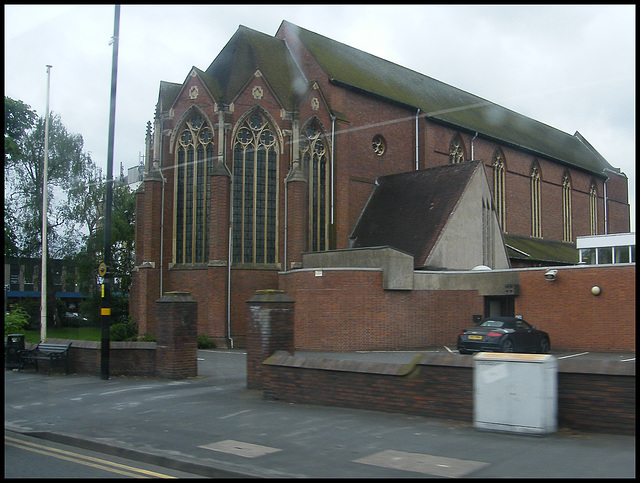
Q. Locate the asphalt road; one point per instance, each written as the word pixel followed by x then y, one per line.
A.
pixel 213 426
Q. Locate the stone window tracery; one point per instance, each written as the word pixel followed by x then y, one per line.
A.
pixel 567 229
pixel 593 208
pixel 255 177
pixel 456 150
pixel 314 155
pixel 379 145
pixel 536 225
pixel 498 187
pixel 194 158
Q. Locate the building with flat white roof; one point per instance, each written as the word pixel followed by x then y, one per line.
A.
pixel 604 249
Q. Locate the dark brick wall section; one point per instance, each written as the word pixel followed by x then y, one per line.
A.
pixel 441 386
pixel 135 359
pixel 177 336
pixel 269 328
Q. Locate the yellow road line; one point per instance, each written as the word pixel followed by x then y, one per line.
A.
pixel 88 460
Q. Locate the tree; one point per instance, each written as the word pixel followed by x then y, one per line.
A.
pixel 24 164
pixel 76 189
pixel 18 120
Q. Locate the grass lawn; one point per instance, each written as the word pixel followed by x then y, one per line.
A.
pixel 73 333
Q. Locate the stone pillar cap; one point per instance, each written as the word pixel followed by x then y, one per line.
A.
pixel 270 295
pixel 176 297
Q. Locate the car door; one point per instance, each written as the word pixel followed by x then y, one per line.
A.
pixel 526 336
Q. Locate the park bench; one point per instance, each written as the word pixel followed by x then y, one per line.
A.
pixel 53 353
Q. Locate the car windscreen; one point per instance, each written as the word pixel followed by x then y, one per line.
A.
pixel 492 323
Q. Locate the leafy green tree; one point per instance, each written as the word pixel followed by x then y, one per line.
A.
pixel 76 191
pixel 19 118
pixel 24 165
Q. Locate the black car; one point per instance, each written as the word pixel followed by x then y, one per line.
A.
pixel 503 334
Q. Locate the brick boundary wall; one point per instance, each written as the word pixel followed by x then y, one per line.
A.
pixel 597 399
pixel 134 359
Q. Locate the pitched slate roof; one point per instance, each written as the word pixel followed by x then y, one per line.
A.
pixel 249 50
pixel 441 102
pixel 408 211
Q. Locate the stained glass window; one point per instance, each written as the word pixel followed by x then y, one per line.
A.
pixel 536 226
pixel 255 177
pixel 498 187
pixel 194 156
pixel 567 230
pixel 314 156
pixel 593 208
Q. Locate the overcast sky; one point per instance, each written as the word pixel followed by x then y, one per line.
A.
pixel 571 67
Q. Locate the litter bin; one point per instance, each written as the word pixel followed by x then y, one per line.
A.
pixel 15 343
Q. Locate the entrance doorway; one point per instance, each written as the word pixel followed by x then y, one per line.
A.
pixel 497 306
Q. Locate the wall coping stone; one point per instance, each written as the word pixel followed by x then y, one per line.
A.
pixel 284 359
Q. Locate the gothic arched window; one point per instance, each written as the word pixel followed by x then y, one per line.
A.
pixel 194 158
pixel 456 150
pixel 315 163
pixel 498 186
pixel 536 225
pixel 255 188
pixel 567 230
pixel 593 208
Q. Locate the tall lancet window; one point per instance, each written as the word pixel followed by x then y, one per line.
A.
pixel 593 208
pixel 315 162
pixel 456 150
pixel 536 218
pixel 567 231
pixel 255 190
pixel 194 158
pixel 498 187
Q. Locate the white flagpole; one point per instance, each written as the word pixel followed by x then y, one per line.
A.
pixel 43 274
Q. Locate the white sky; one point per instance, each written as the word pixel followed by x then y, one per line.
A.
pixel 571 67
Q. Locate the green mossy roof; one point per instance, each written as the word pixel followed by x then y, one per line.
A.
pixel 540 250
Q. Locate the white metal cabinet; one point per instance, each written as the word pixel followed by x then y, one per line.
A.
pixel 515 392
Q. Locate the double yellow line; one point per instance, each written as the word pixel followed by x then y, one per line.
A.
pixel 80 459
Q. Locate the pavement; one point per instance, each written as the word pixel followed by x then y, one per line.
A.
pixel 213 426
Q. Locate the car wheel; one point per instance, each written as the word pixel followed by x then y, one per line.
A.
pixel 545 346
pixel 507 346
pixel 463 352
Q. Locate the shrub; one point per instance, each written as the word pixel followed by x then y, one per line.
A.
pixel 123 331
pixel 16 321
pixel 205 343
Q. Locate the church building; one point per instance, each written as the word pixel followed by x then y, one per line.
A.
pixel 296 143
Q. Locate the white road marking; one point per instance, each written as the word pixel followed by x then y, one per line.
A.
pixel 573 355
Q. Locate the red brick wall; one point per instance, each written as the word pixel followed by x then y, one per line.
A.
pixel 441 386
pixel 574 318
pixel 347 309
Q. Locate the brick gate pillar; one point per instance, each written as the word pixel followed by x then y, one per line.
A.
pixel 177 336
pixel 269 329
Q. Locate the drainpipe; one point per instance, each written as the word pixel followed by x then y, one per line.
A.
pixel 159 148
pixel 222 156
pixel 473 139
pixel 164 180
pixel 417 141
